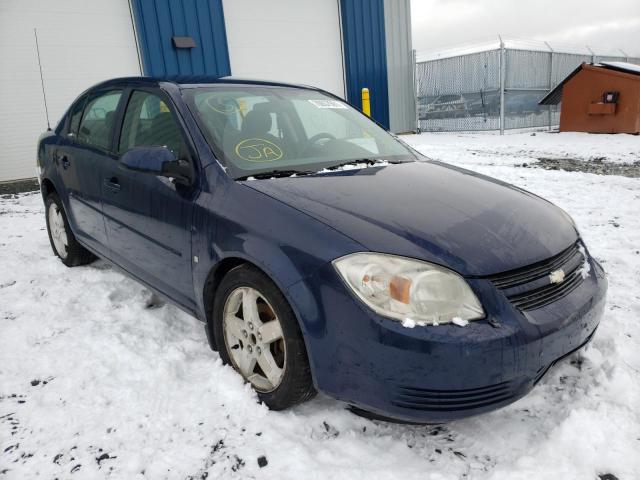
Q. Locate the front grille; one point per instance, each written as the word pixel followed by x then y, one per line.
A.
pixel 452 400
pixel 530 287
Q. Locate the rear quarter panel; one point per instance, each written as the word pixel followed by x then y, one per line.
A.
pixel 47 144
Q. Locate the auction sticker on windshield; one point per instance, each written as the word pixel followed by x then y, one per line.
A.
pixel 327 104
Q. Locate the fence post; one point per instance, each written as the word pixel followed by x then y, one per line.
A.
pixel 502 82
pixel 415 91
pixel 625 54
pixel 549 107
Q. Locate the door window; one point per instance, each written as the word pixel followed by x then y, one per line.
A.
pixel 98 120
pixel 76 114
pixel 148 122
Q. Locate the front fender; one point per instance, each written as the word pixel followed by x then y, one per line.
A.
pixel 234 221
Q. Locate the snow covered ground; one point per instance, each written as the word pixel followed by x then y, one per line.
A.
pixel 95 384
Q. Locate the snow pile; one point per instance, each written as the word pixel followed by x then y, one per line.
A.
pixel 94 384
pixel 409 323
pixel 586 266
pixel 488 148
pixel 461 322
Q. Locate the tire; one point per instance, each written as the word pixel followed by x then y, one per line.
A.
pixel 239 338
pixel 63 242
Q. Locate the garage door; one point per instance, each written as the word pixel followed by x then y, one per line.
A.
pixel 81 43
pixel 295 41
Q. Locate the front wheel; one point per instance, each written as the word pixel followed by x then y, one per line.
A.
pixel 261 339
pixel 63 242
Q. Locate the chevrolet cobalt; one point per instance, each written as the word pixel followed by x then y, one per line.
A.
pixel 321 252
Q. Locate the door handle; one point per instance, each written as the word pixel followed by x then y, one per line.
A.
pixel 112 184
pixel 61 158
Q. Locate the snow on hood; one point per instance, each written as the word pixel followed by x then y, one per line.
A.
pixel 341 168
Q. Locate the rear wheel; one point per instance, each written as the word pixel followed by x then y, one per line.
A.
pixel 261 339
pixel 63 242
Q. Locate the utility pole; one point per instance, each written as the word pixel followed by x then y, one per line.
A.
pixel 415 90
pixel 550 80
pixel 502 82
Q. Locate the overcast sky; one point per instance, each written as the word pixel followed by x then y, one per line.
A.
pixel 603 25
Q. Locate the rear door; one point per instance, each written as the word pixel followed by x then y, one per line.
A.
pixel 148 217
pixel 64 157
pixel 85 149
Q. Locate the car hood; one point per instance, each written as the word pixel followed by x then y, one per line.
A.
pixel 470 223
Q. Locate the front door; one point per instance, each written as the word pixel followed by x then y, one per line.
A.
pixel 148 217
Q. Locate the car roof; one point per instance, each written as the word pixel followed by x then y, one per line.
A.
pixel 190 81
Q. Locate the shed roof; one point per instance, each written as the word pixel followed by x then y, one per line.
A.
pixel 622 67
pixel 554 97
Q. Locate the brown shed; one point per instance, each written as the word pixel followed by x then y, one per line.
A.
pixel 599 98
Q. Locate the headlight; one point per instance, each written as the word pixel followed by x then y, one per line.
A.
pixel 409 290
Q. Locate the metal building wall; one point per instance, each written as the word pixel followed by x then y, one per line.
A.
pixel 203 20
pixel 365 54
pixel 463 92
pixel 402 113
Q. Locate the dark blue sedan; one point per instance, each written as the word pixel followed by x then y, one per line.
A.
pixel 321 253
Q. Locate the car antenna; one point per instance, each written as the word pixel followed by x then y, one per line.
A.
pixel 44 95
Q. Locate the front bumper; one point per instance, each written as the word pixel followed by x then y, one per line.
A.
pixel 442 373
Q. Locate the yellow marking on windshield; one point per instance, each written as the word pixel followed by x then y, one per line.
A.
pixel 258 150
pixel 242 103
pixel 214 103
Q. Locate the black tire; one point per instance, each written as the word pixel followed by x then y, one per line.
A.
pixel 76 254
pixel 296 385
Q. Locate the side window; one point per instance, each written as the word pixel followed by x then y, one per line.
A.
pixel 148 122
pixel 98 119
pixel 76 114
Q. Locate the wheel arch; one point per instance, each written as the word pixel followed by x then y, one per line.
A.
pixel 215 276
pixel 47 188
pixel 212 282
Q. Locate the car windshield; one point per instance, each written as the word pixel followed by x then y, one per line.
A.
pixel 268 129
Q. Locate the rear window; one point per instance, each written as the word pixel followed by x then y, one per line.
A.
pixel 75 116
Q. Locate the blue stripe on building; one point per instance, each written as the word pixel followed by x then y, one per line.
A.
pixel 157 21
pixel 366 55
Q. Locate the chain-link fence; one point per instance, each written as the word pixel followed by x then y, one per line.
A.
pixel 498 88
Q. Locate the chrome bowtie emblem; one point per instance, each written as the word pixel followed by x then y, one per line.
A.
pixel 557 276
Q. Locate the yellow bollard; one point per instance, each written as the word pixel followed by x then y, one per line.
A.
pixel 366 102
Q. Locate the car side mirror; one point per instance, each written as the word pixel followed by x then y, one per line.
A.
pixel 158 161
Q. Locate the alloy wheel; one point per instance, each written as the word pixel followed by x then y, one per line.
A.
pixel 58 230
pixel 254 338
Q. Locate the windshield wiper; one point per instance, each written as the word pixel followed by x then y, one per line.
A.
pixel 368 161
pixel 299 173
pixel 276 174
